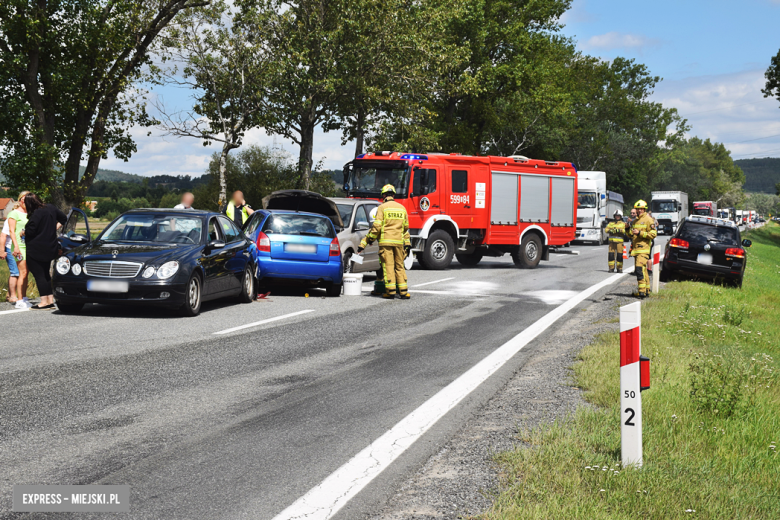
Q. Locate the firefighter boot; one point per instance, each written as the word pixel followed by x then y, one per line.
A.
pixel 405 296
pixel 388 296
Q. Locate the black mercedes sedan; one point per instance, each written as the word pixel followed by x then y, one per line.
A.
pixel 706 247
pixel 161 257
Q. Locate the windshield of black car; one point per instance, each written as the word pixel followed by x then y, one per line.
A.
pixel 154 228
pixel 372 179
pixel 586 199
pixel 297 224
pixel 345 210
pixel 668 206
pixel 695 232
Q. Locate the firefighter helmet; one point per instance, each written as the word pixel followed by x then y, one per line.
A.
pixel 388 188
pixel 640 204
pixel 618 215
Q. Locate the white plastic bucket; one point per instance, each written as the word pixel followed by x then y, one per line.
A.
pixel 353 284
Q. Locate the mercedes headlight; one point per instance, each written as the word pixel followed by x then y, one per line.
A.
pixel 167 270
pixel 63 265
pixel 76 269
pixel 148 272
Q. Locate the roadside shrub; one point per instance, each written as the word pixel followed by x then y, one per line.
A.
pixel 111 215
pixel 735 316
pixel 725 383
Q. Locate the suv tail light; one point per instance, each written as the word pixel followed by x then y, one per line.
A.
pixel 678 242
pixel 263 242
pixel 737 252
pixel 335 247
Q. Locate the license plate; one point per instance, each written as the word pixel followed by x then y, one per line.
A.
pixel 704 258
pixel 300 248
pixel 107 286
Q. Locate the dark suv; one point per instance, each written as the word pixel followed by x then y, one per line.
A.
pixel 706 247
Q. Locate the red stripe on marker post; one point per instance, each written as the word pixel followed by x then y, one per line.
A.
pixel 629 346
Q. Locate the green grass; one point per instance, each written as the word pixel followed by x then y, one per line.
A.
pixel 708 455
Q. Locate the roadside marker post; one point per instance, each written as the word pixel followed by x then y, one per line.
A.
pixel 634 377
pixel 656 259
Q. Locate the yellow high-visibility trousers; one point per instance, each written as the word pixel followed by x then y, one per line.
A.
pixel 640 270
pixel 392 260
pixel 615 256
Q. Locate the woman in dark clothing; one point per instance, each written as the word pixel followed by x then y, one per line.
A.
pixel 40 234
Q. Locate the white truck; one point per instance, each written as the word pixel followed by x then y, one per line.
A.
pixel 595 206
pixel 669 208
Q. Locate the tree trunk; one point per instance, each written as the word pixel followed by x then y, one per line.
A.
pixel 359 131
pixel 222 175
pixel 307 150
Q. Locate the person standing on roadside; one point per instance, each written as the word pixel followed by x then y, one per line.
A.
pixel 7 254
pixel 17 219
pixel 642 233
pixel 391 229
pixel 238 210
pixel 42 245
pixel 616 230
pixel 186 201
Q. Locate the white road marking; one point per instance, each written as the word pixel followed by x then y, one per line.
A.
pixel 327 498
pixel 14 310
pixel 448 293
pixel 263 322
pixel 551 297
pixel 431 283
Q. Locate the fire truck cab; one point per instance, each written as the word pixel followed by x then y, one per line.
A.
pixel 471 206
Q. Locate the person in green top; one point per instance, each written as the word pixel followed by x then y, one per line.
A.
pixel 17 220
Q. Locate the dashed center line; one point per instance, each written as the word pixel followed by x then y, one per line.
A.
pixel 263 322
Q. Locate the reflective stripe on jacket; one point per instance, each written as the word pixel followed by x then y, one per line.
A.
pixel 616 231
pixel 390 227
pixel 231 212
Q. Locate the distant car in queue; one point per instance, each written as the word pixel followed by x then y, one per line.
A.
pixel 158 257
pixel 296 241
pixel 706 247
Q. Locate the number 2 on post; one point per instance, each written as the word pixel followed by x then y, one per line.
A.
pixel 629 421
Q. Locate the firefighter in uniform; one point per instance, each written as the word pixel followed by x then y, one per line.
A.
pixel 642 234
pixel 616 231
pixel 391 229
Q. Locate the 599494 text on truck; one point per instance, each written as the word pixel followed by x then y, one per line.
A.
pixel 471 206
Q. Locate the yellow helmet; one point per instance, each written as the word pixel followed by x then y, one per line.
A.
pixel 640 204
pixel 388 188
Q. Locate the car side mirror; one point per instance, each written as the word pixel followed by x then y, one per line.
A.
pixel 362 225
pixel 81 239
pixel 215 244
pixel 747 243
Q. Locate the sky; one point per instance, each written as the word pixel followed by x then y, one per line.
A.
pixel 711 54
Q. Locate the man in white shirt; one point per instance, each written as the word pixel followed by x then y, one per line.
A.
pixel 186 201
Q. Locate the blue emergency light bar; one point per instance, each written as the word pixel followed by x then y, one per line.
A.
pixel 414 157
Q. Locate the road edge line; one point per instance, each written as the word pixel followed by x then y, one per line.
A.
pixel 329 496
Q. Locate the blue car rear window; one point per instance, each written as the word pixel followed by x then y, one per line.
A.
pixel 297 224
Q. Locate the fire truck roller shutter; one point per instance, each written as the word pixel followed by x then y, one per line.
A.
pixel 503 200
pixel 562 211
pixel 534 198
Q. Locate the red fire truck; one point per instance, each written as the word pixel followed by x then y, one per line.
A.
pixel 473 207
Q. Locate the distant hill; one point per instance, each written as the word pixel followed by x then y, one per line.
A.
pixel 761 174
pixel 113 176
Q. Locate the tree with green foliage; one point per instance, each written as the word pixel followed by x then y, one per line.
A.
pixel 702 169
pixel 772 75
pixel 69 86
pixel 256 171
pixel 224 65
pixel 777 188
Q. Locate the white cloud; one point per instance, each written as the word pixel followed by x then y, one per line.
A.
pixel 728 108
pixel 615 40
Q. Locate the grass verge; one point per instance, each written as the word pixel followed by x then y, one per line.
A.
pixel 711 418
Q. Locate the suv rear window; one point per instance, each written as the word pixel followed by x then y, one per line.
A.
pixel 297 224
pixel 695 232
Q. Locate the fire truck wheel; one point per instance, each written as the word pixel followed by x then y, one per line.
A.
pixel 438 252
pixel 530 252
pixel 468 259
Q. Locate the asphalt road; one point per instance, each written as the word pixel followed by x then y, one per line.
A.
pixel 241 424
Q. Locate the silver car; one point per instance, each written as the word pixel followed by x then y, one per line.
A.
pixel 357 217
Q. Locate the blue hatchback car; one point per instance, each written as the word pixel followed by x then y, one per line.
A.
pixel 296 245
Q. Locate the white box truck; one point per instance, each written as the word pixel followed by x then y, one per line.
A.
pixel 595 205
pixel 669 208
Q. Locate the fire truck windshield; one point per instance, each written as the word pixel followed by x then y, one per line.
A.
pixel 586 199
pixel 367 178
